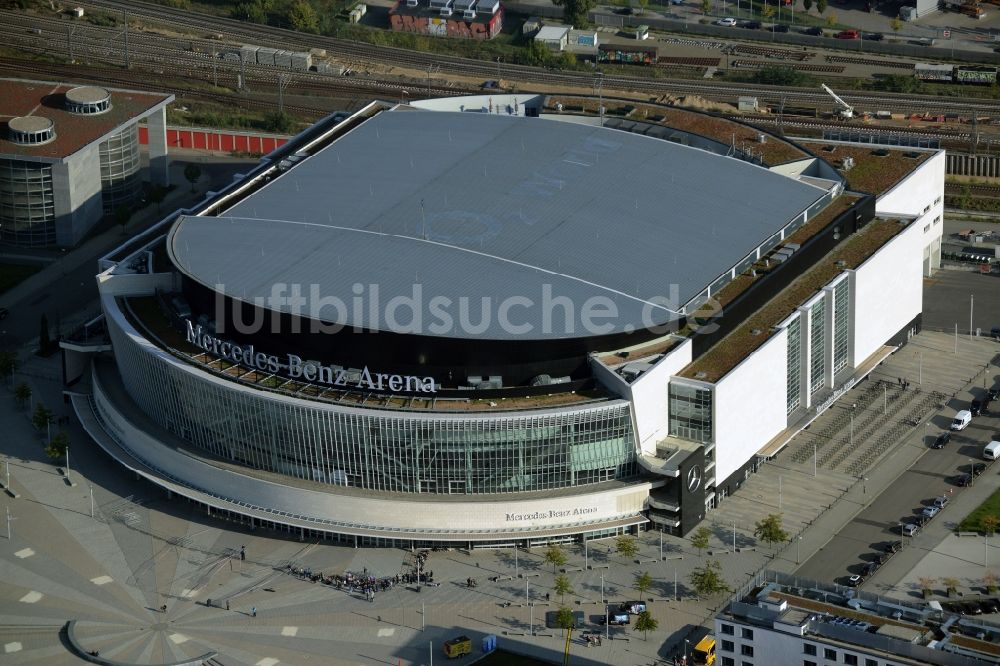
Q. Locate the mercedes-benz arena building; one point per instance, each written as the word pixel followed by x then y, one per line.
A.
pixel 459 322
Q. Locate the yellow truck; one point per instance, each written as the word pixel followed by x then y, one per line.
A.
pixel 458 647
pixel 704 651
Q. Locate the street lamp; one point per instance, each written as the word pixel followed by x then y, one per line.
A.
pixel 972 473
pixel 864 486
pixel 798 549
pixel 403 93
pixel 686 643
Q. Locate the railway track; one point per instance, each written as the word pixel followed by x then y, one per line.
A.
pixel 349 51
pixel 974 190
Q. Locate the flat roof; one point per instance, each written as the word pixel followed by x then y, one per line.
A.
pixel 477 205
pixel 19 98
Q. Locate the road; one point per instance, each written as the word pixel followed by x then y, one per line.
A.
pixel 65 291
pixel 932 475
pixel 947 298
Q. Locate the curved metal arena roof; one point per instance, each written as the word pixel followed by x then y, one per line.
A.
pixel 453 206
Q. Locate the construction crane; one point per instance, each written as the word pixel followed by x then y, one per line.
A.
pixel 846 110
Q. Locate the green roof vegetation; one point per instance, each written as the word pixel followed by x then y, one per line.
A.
pixel 735 347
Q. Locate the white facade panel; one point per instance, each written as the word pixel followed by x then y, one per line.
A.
pixel 749 407
pixel 921 194
pixel 887 292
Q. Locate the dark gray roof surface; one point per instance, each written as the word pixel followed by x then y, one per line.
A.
pixel 477 205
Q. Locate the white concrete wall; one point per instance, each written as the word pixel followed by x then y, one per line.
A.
pixel 887 292
pixel 649 397
pixel 136 284
pixel 749 407
pixel 159 162
pixel 913 195
pixel 76 185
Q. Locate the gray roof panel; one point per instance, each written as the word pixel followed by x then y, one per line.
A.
pixel 473 205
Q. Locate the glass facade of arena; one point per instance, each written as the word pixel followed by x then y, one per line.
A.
pixel 690 412
pixel 841 325
pixel 425 452
pixel 27 204
pixel 817 350
pixel 120 164
pixel 794 362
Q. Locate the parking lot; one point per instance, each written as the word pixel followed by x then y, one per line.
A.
pixel 935 473
pixel 947 298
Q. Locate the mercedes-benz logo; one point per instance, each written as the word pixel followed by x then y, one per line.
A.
pixel 694 478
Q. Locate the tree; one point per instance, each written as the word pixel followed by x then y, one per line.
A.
pixel 626 546
pixel 769 530
pixel 157 194
pixel 927 586
pixel 44 342
pixel 575 11
pixel 706 6
pixel 562 587
pixel 951 584
pixel 642 6
pixel 122 215
pixel 767 12
pixel 22 394
pixel 57 445
pixel 555 556
pixel 700 538
pixel 990 582
pixel 8 364
pixel 989 523
pixel 192 172
pixel 780 75
pixel 642 583
pixel 645 623
pixel 301 16
pixel 565 619
pixel 831 20
pixel 254 11
pixel 821 6
pixel 807 4
pixel 708 580
pixel 42 416
pixel 896 24
pixel 537 54
pixel 279 121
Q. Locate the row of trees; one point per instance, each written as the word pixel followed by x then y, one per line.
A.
pixel 42 417
pixel 989 580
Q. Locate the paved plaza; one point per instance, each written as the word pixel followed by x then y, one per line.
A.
pixel 114 571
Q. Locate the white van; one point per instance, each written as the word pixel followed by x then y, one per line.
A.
pixel 962 419
pixel 992 450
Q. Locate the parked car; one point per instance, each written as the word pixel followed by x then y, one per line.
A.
pixel 961 421
pixel 921 519
pixel 989 605
pixel 855 580
pixel 993 393
pixel 963 480
pixel 977 468
pixel 892 546
pixel 848 34
pixel 909 529
pixel 870 568
pixel 728 21
pixel 986 400
pixel 779 27
pixel 815 31
pixel 976 407
pixel 931 511
pixel 627 11
pixel 615 619
pixel 941 440
pixel 873 36
pixel 752 25
pixel 969 608
pixel 941 502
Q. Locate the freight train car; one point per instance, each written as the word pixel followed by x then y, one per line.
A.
pixel 627 54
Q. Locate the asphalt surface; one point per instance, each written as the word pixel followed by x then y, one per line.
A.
pixel 933 474
pixel 947 299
